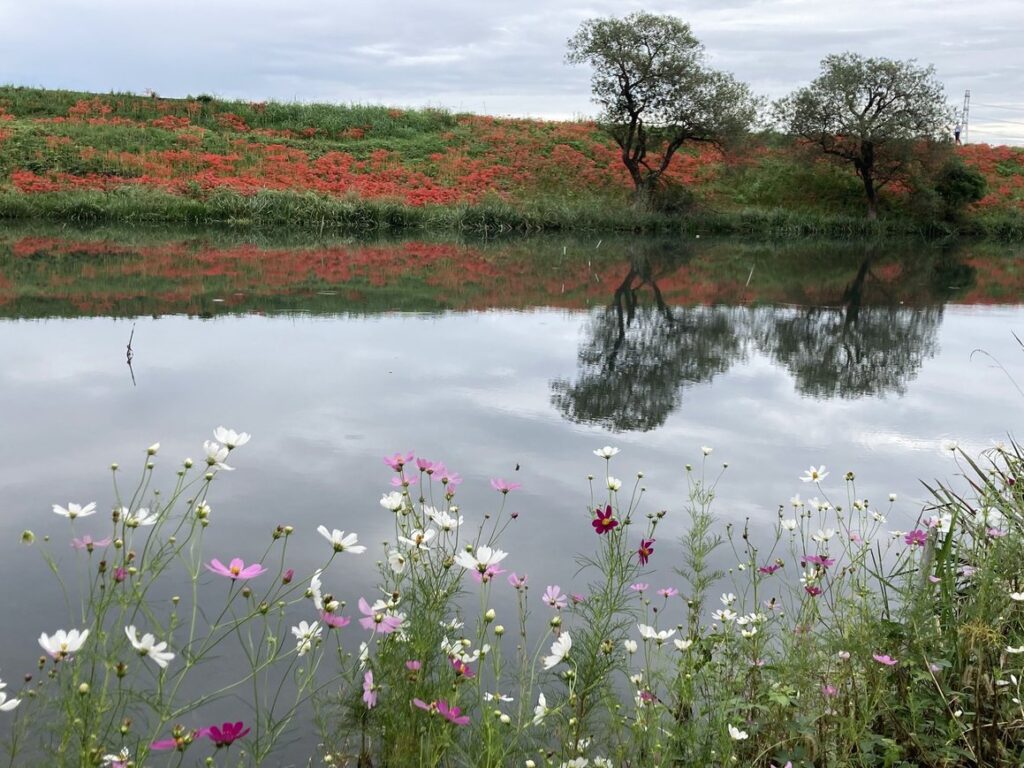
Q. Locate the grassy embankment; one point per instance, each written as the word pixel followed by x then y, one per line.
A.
pixel 120 158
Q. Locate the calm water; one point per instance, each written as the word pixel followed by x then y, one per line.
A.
pixel 511 359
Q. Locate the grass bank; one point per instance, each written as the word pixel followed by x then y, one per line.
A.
pixel 69 156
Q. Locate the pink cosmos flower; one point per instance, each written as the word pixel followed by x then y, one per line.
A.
pixel 604 521
pixel 403 481
pixel 165 744
pixel 461 668
pixel 916 538
pixel 413 665
pixel 647 697
pixel 120 574
pixel 447 477
pixel 812 590
pixel 577 598
pixel 639 587
pixel 334 620
pixel 87 542
pixel 517 581
pixel 645 551
pixel 886 659
pixel 504 487
pixel 425 466
pixel 668 592
pixel 424 706
pixel 829 691
pixel 768 570
pixel 822 560
pixel 553 596
pixel 369 690
pixel 488 574
pixel 226 734
pixel 397 461
pixel 381 623
pixel 236 569
pixel 855 537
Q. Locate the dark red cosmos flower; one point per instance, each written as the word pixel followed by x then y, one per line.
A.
pixel 226 733
pixel 604 521
pixel 646 550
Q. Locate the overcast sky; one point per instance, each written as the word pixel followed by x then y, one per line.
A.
pixel 490 56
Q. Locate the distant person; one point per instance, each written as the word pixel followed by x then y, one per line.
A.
pixel 956 133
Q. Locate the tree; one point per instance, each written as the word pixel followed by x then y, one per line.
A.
pixel 656 92
pixel 868 112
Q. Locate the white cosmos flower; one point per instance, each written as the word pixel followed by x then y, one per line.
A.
pixel 682 645
pixel 148 646
pixel 229 438
pixel 215 455
pixel 606 453
pixel 814 474
pixel 119 760
pixel 306 633
pixel 315 588
pixel 5 705
pixel 418 539
pixel 736 734
pixel 789 523
pixel 949 445
pixel 796 501
pixel 878 517
pixel 1018 649
pixel 724 615
pixel 75 510
pixel 342 542
pixel 728 599
pixel 61 643
pixel 484 558
pixel 141 517
pixel 392 501
pixel 559 650
pixel 823 535
pixel 1017 597
pixel 650 633
pixel 748 633
pixel 497 697
pixel 706 450
pixel 443 520
pixel 396 560
pixel 614 483
pixel 364 654
pixel 541 710
pixel 631 646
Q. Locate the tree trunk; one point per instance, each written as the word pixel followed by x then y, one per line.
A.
pixel 646 189
pixel 866 168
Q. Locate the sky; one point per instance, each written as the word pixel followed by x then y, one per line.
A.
pixel 491 56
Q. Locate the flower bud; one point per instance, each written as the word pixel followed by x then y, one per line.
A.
pixel 126 725
pixel 489 616
pixel 556 621
pixel 505 719
pixel 27 537
pixel 499 629
pixel 149 465
pixel 188 463
pixel 151 451
pixel 83 689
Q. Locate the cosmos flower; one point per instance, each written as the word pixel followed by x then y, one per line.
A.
pixel 236 569
pixel 148 646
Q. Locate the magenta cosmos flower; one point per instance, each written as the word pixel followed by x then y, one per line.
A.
pixel 379 622
pixel 916 538
pixel 452 714
pixel 645 551
pixel 236 569
pixel 226 734
pixel 605 521
pixel 503 486
pixel 768 570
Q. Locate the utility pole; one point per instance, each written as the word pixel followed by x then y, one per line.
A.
pixel 965 113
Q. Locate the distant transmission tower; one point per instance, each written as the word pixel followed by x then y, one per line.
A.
pixel 965 113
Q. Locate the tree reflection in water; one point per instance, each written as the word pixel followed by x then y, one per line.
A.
pixel 640 354
pixel 639 357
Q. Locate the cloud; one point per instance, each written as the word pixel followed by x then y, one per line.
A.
pixel 500 57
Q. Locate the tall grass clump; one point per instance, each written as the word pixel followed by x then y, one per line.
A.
pixel 824 637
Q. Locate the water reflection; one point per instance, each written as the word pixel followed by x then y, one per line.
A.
pixel 638 357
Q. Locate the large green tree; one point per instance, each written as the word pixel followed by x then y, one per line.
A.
pixel 656 91
pixel 869 113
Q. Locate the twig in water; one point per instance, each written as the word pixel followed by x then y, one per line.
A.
pixel 130 354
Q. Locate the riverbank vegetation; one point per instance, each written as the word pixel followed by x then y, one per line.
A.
pixel 67 156
pixel 841 631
